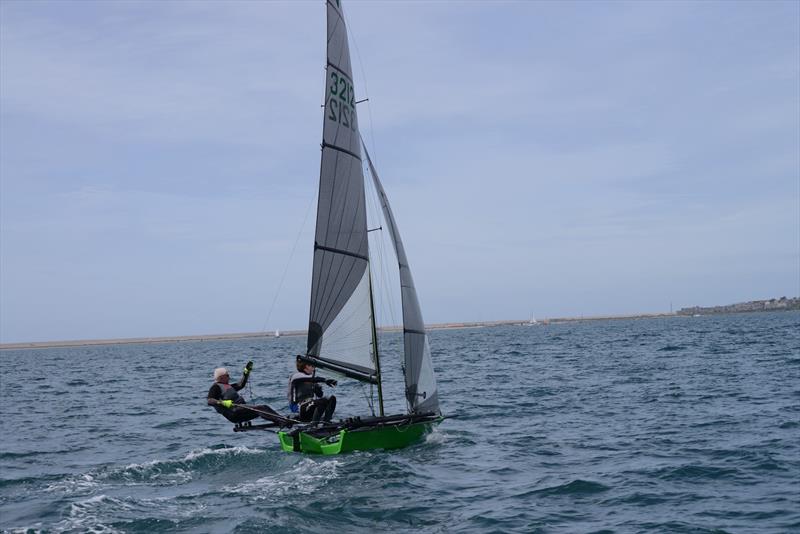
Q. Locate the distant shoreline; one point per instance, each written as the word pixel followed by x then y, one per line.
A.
pixel 289 333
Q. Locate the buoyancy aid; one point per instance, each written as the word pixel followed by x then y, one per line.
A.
pixel 302 388
pixel 228 393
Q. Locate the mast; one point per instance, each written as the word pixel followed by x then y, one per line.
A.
pixel 375 345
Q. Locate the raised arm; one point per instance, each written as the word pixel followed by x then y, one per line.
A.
pixel 245 375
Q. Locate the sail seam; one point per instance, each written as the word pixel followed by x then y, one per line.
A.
pixel 341 71
pixel 330 299
pixel 335 7
pixel 325 266
pixel 323 298
pixel 325 307
pixel 333 32
pixel 346 320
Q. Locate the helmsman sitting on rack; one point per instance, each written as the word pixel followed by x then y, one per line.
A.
pixel 224 397
pixel 305 394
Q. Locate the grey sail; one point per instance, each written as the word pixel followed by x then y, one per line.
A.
pixel 340 318
pixel 421 391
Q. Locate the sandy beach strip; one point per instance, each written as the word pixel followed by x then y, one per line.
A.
pixel 260 335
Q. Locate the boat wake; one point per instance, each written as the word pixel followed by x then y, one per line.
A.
pixel 84 514
pixel 307 477
pixel 155 472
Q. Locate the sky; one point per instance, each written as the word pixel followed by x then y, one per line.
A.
pixel 159 160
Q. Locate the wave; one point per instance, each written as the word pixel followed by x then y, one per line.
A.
pixel 307 477
pixel 6 455
pixel 155 472
pixel 696 472
pixel 671 348
pixel 26 481
pixel 437 437
pixel 576 488
pixel 89 515
pixel 677 527
pixel 199 461
pixel 175 423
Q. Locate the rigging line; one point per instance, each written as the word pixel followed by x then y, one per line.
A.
pixel 393 237
pixel 386 293
pixel 286 269
pixel 378 249
pixel 381 257
pixel 359 207
pixel 370 400
pixel 352 37
pixel 382 287
pixel 386 274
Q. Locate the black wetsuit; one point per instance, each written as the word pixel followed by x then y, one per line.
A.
pixel 219 391
pixel 305 391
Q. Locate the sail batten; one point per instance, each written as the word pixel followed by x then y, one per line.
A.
pixel 349 78
pixel 340 251
pixel 339 149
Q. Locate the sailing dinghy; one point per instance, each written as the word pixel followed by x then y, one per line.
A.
pixel 342 336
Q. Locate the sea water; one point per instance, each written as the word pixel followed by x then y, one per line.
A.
pixel 684 424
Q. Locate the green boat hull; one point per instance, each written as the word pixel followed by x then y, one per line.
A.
pixel 391 436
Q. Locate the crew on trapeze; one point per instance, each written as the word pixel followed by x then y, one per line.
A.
pixel 305 394
pixel 224 397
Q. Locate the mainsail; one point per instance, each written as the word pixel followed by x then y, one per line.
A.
pixel 340 324
pixel 421 392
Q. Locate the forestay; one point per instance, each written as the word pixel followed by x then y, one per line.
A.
pixel 421 392
pixel 340 322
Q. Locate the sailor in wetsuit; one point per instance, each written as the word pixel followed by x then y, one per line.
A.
pixel 305 394
pixel 224 397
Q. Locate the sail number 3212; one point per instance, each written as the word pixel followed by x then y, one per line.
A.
pixel 341 103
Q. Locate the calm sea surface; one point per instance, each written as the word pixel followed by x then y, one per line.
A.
pixel 658 425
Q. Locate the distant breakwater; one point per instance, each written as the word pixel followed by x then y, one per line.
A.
pixel 781 304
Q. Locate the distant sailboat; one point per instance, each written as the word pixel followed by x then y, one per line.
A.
pixel 277 333
pixel 533 320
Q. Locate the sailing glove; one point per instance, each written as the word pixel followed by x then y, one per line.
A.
pixel 331 382
pixel 226 404
pixel 248 368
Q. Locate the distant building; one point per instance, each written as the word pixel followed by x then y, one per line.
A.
pixel 781 304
